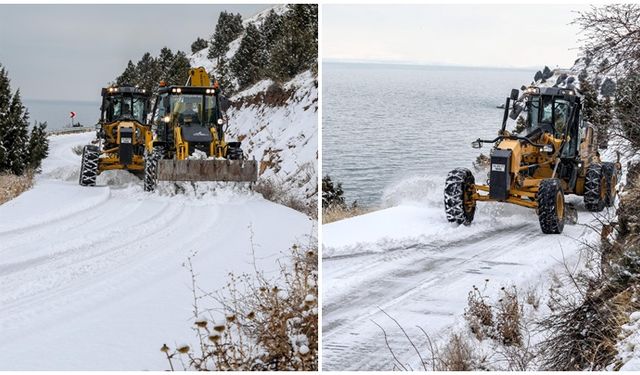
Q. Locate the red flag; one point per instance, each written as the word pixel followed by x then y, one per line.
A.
pixel 73 114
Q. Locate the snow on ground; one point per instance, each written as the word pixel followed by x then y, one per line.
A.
pixel 91 278
pixel 629 346
pixel 410 262
pixel 285 135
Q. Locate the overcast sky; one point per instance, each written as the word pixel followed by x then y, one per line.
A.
pixel 469 35
pixel 68 52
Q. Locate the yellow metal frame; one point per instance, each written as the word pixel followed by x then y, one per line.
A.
pixel 109 159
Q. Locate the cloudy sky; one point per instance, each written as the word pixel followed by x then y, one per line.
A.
pixel 67 52
pixel 468 35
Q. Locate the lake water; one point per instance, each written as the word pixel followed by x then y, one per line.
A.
pixel 56 113
pixel 385 125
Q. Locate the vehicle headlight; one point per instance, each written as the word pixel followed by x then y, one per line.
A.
pixel 166 118
pixel 547 148
pixel 220 121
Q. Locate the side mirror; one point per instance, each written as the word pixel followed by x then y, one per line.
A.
pixel 515 93
pixel 476 144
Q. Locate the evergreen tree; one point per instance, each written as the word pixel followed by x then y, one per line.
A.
pixel 228 28
pixel 627 108
pixel 16 138
pixel 146 73
pixel 179 70
pixel 249 61
pixel 223 76
pixel 332 195
pixel 129 76
pixel 199 45
pixel 38 145
pixel 271 28
pixel 165 60
pixel 5 101
pixel 297 49
pixel 590 99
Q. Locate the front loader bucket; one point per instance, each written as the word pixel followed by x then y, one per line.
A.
pixel 208 170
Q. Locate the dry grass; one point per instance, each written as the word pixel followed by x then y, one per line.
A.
pixel 335 213
pixel 457 355
pixel 11 185
pixel 509 317
pixel 267 324
pixel 479 314
pixel 278 193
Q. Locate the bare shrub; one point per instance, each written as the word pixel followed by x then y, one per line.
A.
pixel 508 317
pixel 278 193
pixel 268 324
pixel 11 185
pixel 457 355
pixel 532 298
pixel 479 314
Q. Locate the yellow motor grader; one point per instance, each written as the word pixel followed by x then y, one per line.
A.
pixel 187 139
pixel 120 135
pixel 555 155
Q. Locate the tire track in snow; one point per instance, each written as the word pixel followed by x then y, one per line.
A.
pixel 423 286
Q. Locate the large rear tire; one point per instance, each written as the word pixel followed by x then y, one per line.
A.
pixel 611 180
pixel 151 168
pixel 551 208
pixel 89 165
pixel 595 188
pixel 459 205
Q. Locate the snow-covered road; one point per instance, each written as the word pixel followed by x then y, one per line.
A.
pixel 91 278
pixel 408 261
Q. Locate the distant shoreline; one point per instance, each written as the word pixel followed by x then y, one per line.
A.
pixel 422 65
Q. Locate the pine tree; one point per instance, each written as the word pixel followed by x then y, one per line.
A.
pixel 165 60
pixel 249 61
pixel 146 73
pixel 228 28
pixel 297 49
pixel 590 99
pixel 332 195
pixel 179 69
pixel 16 138
pixel 5 101
pixel 199 45
pixel 223 76
pixel 129 76
pixel 38 145
pixel 271 28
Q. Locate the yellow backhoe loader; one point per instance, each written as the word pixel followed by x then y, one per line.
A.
pixel 187 139
pixel 120 134
pixel 555 155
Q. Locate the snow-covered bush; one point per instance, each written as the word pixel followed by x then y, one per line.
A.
pixel 258 323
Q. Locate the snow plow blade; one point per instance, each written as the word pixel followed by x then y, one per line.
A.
pixel 208 170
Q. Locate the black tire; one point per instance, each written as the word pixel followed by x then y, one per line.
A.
pixel 595 187
pixel 611 179
pixel 459 205
pixel 89 165
pixel 151 168
pixel 551 207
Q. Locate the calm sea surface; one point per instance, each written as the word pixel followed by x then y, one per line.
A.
pixel 384 124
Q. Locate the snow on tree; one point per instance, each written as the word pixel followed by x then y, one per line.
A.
pixel 223 76
pixel 129 76
pixel 332 194
pixel 271 28
pixel 249 61
pixel 199 45
pixel 297 49
pixel 228 28
pixel 38 145
pixel 16 137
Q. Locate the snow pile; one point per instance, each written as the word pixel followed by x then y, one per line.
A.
pixel 629 346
